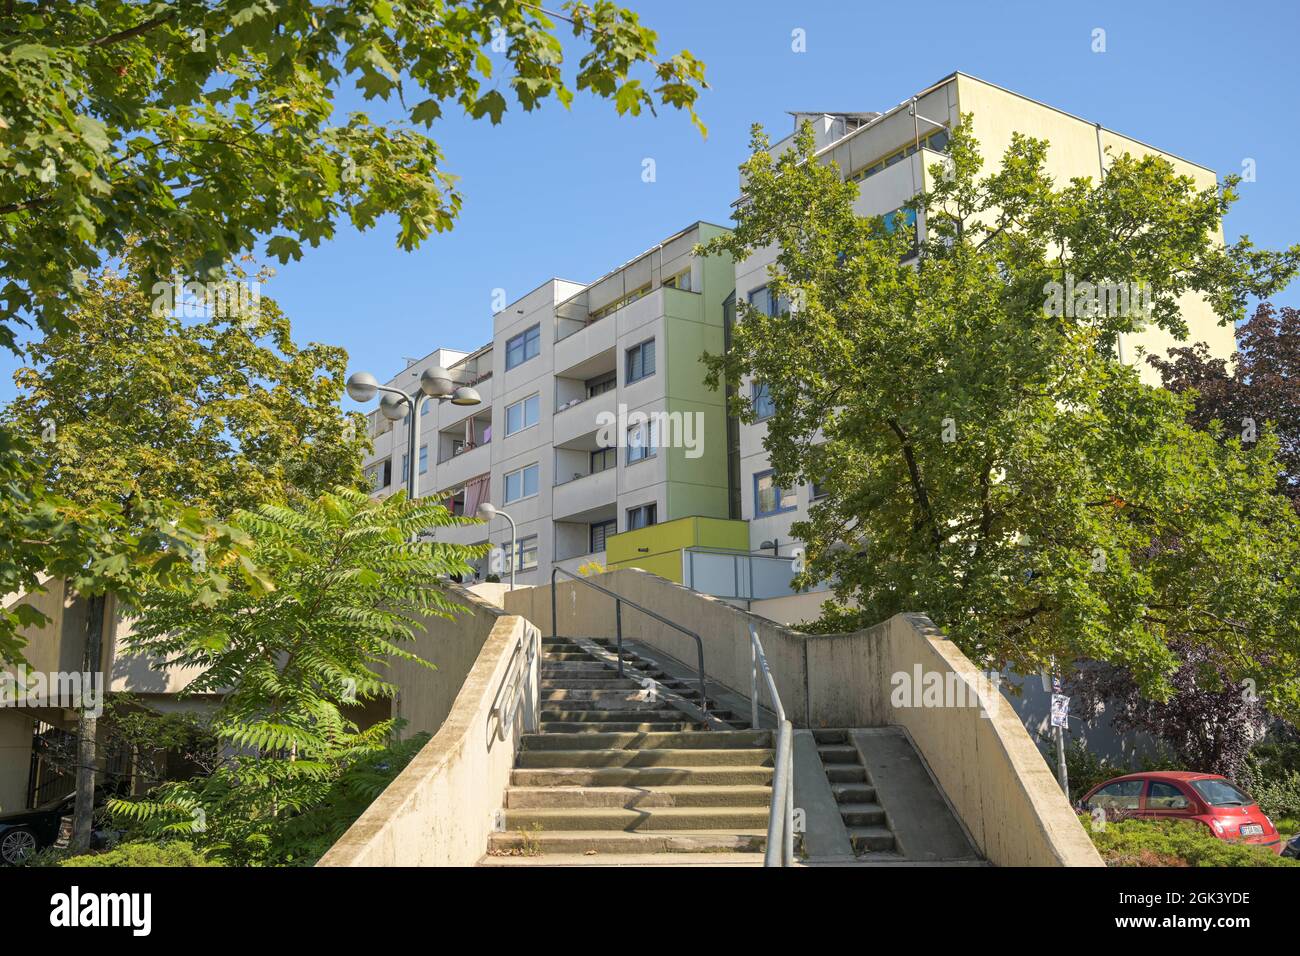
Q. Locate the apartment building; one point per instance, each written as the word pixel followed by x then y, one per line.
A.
pixel 595 419
pixel 568 352
pixel 889 155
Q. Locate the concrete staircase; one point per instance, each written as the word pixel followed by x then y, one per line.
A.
pixel 620 775
pixel 864 818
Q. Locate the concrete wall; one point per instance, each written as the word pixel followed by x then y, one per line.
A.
pixel 973 743
pixel 442 807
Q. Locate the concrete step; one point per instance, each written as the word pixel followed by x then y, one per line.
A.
pixel 694 757
pixel 613 726
pixel 643 777
pixel 854 792
pixel 711 859
pixel 595 698
pixel 871 839
pixel 586 683
pixel 635 798
pixel 846 773
pixel 587 819
pixel 679 740
pixel 594 715
pixel 862 815
pixel 830 736
pixel 576 669
pixel 838 753
pixel 614 841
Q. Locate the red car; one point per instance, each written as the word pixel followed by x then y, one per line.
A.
pixel 1180 795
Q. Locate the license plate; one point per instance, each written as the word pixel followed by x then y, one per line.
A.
pixel 1251 829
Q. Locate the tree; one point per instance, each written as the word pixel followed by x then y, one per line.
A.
pixel 135 401
pixel 985 458
pixel 1262 388
pixel 206 128
pixel 353 590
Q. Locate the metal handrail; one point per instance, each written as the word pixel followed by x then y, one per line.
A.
pixel 780 816
pixel 619 601
pixel 516 679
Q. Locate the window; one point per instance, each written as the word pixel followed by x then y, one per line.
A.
pixel 521 483
pixel 1122 795
pixel 523 346
pixel 680 281
pixel 602 384
pixel 769 499
pixel 818 491
pixel 406 466
pixel 601 532
pixel 763 300
pixel 526 553
pixel 643 516
pixel 523 414
pixel 617 304
pixel 424 459
pixel 1220 793
pixel 603 459
pixel 643 441
pixel 641 361
pixel 909 221
pixel 762 401
pixel 1166 796
pixel 380 475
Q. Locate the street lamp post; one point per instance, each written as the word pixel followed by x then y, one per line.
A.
pixel 487 511
pixel 435 383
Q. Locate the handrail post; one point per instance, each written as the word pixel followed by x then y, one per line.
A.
pixel 788 825
pixel 618 631
pixel 555 621
pixel 753 683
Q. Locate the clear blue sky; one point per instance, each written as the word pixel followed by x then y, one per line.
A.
pixel 560 192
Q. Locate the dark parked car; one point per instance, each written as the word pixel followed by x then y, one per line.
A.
pixel 24 832
pixel 1292 849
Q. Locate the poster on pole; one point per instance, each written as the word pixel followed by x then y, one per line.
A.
pixel 1060 710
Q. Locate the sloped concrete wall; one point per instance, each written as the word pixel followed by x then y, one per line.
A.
pixel 972 741
pixel 442 807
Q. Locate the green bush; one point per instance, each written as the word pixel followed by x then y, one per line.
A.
pixel 142 854
pixel 1173 843
pixel 1273 778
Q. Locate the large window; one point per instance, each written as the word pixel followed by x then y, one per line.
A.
pixel 526 553
pixel 643 441
pixel 680 281
pixel 523 346
pixel 380 474
pixel 641 516
pixel 603 459
pixel 602 384
pixel 766 301
pixel 1123 795
pixel 769 498
pixel 1166 796
pixel 762 399
pixel 601 532
pixel 936 140
pixel 641 361
pixel 424 459
pixel 909 222
pixel 522 414
pixel 521 483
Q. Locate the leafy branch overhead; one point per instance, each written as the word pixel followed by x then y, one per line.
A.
pixel 208 127
pixel 983 455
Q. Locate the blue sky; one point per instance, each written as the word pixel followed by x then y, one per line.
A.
pixel 560 192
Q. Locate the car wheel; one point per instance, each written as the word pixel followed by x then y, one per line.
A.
pixel 16 845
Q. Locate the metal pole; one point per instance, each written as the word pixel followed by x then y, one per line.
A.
pixel 513 536
pixel 413 475
pixel 555 623
pixel 1061 773
pixel 788 831
pixel 753 681
pixel 618 631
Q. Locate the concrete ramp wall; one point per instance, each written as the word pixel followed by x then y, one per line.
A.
pixel 903 672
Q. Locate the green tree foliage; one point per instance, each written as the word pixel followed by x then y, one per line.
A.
pixel 135 401
pixel 207 127
pixel 353 590
pixel 985 458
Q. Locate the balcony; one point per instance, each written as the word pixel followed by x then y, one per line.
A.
pixel 585 342
pixel 584 496
pixel 574 563
pixel 572 422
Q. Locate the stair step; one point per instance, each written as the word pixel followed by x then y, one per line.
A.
pixel 871 839
pixel 862 814
pixel 712 859
pixel 641 819
pixel 595 715
pixel 838 753
pixel 589 698
pixel 614 841
pixel 643 777
pixel 826 736
pixel 615 726
pixel 672 740
pixel 635 798
pixel 587 683
pixel 846 773
pixel 694 757
pixel 854 792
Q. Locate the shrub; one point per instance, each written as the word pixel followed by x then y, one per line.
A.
pixel 142 854
pixel 1173 843
pixel 1273 778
